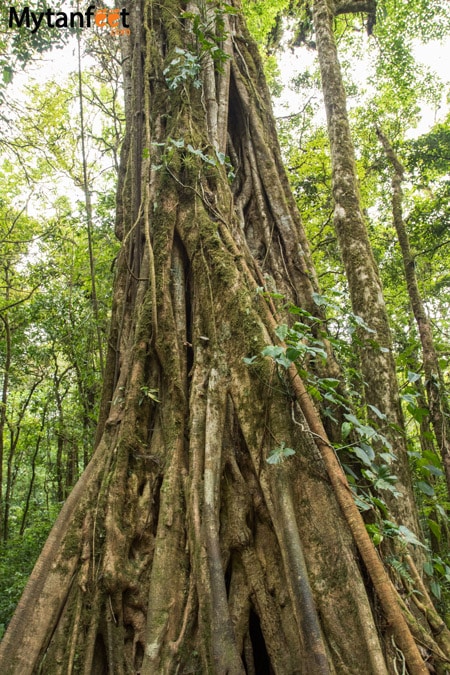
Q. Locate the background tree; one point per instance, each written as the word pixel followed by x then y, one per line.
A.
pixel 50 373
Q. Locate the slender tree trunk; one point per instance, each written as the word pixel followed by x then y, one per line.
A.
pixel 434 383
pixel 14 434
pixel 26 506
pixel 366 293
pixel 181 549
pixel 89 220
pixel 3 408
pixel 60 435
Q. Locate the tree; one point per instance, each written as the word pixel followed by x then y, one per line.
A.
pixel 434 382
pixel 49 366
pixel 181 549
pixel 377 361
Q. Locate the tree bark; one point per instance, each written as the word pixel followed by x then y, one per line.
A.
pixel 366 293
pixel 181 549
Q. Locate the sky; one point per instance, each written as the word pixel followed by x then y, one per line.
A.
pixel 60 62
pixel 435 55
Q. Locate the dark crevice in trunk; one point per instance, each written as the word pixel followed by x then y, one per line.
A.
pixel 261 658
pixel 156 504
pixel 100 660
pixel 228 575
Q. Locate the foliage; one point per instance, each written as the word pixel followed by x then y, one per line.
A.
pixel 365 453
pixel 45 295
pixel 18 46
pixel 49 362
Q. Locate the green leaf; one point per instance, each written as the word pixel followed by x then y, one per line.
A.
pixel 435 528
pixel 409 536
pixel 436 588
pixel 351 418
pixel 381 505
pixel 434 470
pixel 425 488
pixel 281 331
pixel 409 398
pixel 292 353
pixel 277 354
pixel 279 454
pixel 377 412
pixel 320 300
pixel 288 452
pixel 221 157
pixel 363 456
pixel 419 414
pixel 413 377
pixel 345 429
pixel 360 322
pixel 441 512
pixel 7 74
pixel 361 503
pixel 375 534
pixel 428 568
pixel 329 382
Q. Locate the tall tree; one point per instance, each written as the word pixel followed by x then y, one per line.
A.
pixel 181 549
pixel 366 293
pixel 434 381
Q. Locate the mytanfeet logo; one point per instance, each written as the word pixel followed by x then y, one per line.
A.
pixel 114 19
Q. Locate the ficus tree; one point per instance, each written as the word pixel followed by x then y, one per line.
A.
pixel 181 548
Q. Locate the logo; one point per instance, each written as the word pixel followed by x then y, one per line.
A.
pixel 115 19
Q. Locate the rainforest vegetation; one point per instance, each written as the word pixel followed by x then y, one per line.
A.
pixel 224 340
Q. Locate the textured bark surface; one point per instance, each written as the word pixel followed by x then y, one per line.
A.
pixel 181 550
pixel 377 361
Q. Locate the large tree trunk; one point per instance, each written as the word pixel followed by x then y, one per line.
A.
pixel 366 293
pixel 181 550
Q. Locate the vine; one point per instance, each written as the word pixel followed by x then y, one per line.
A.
pixel 367 457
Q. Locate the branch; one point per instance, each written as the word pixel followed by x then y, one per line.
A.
pixel 355 7
pixel 390 154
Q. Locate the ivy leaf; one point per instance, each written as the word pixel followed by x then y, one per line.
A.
pixel 277 354
pixel 320 300
pixel 292 353
pixel 360 322
pixel 409 398
pixel 281 331
pixel 419 414
pixel 435 470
